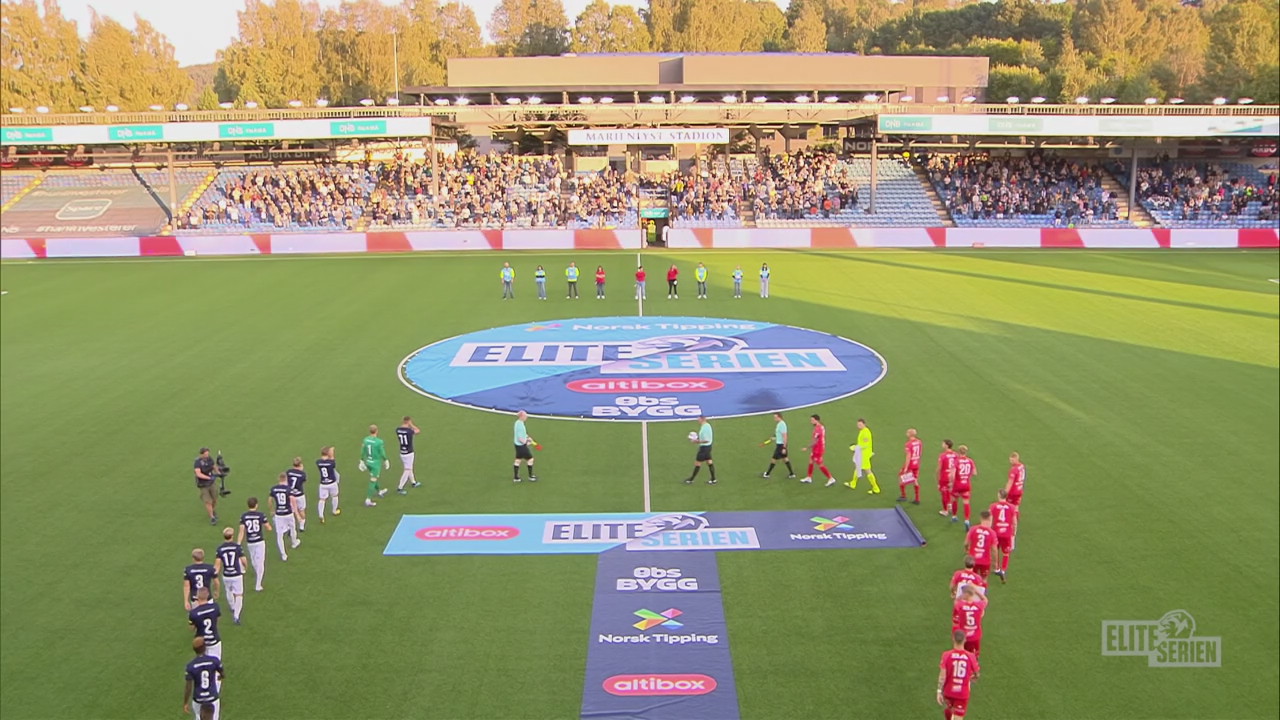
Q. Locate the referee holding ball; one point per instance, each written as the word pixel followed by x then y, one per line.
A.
pixel 703 439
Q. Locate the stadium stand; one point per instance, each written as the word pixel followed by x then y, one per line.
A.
pixel 1207 195
pixel 11 183
pixel 320 197
pixel 70 203
pixel 1035 190
pixel 816 189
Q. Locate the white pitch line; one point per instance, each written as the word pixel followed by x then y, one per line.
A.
pixel 644 424
pixel 1274 280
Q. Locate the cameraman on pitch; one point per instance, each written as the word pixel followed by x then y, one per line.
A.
pixel 204 483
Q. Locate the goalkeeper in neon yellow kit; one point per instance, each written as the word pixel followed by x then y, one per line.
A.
pixel 862 452
pixel 373 458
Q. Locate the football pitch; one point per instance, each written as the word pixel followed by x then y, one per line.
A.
pixel 1141 389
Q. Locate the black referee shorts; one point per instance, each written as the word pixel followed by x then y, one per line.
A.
pixel 524 452
pixel 704 453
pixel 779 452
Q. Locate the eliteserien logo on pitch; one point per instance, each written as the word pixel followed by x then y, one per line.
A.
pixel 652 369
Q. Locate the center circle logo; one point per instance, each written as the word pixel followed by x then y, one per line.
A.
pixel 642 368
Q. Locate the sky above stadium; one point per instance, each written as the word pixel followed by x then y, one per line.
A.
pixel 199 30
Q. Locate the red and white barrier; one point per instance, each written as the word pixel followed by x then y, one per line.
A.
pixel 686 238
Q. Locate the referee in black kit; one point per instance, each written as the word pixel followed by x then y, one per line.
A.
pixel 204 483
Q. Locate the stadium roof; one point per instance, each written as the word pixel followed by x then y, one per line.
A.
pixel 923 76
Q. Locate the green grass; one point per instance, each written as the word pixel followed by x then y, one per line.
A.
pixel 1141 389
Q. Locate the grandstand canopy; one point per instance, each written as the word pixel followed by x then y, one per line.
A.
pixel 705 76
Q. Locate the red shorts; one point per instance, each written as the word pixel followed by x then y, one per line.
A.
pixel 974 646
pixel 961 492
pixel 956 706
pixel 983 570
pixel 1005 543
pixel 910 475
pixel 1015 500
pixel 815 456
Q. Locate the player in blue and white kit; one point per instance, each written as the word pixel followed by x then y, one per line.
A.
pixel 233 565
pixel 297 483
pixel 251 537
pixel 195 576
pixel 282 514
pixel 204 676
pixel 328 469
pixel 204 618
pixel 404 435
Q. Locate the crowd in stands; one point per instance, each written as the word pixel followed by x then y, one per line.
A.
pixel 499 190
pixel 807 184
pixel 1188 191
pixel 983 186
pixel 317 196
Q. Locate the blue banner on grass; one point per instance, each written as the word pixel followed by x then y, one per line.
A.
pixel 659 645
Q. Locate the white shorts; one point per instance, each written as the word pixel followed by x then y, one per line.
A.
pixel 299 502
pixel 406 459
pixel 234 585
pixel 257 555
pixel 283 524
pixel 214 650
pixel 328 490
pixel 216 705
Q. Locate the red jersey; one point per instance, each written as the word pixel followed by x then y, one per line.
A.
pixel 913 448
pixel 965 576
pixel 1017 476
pixel 1003 516
pixel 965 470
pixel 960 668
pixel 672 273
pixel 640 275
pixel 819 439
pixel 947 467
pixel 600 277
pixel 967 616
pixel 981 542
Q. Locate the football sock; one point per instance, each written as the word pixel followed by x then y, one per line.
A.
pixel 825 471
pixel 335 504
pixel 902 490
pixel 529 467
pixel 404 479
pixel 917 492
pixel 321 509
pixel 280 543
pixel 875 486
pixel 1004 562
pixel 789 470
pixel 302 524
pixel 712 469
pixel 515 472
pixel 952 507
pixel 373 490
pixel 810 473
pixel 966 511
pixel 696 468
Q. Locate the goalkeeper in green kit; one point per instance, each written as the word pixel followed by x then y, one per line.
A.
pixel 373 457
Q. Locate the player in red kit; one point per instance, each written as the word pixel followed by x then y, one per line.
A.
pixel 816 451
pixel 966 615
pixel 967 576
pixel 1017 476
pixel 910 474
pixel 966 471
pixel 1004 520
pixel 959 667
pixel 946 475
pixel 981 544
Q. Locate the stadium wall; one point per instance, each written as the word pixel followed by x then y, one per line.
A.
pixel 586 240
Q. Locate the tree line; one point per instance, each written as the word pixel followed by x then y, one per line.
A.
pixel 289 50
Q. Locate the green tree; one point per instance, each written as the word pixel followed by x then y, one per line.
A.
pixel 1242 47
pixel 43 60
pixel 1185 41
pixel 766 26
pixel 1118 33
pixel 1018 81
pixel 660 17
pixel 111 74
pixel 458 32
pixel 601 28
pixel 808 32
pixel 208 99
pixel 276 56
pixel 547 32
pixel 1071 75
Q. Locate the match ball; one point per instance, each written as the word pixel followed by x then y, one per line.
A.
pixel 693 436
